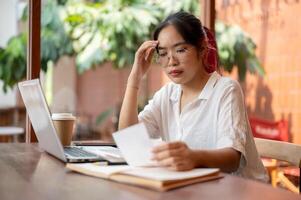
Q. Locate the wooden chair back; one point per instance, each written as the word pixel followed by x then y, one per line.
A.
pixel 284 151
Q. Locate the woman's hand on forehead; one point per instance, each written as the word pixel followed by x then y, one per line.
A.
pixel 143 58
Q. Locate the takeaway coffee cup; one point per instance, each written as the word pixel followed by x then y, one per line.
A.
pixel 64 125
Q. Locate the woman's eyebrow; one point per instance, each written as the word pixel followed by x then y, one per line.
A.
pixel 174 45
pixel 179 43
pixel 161 48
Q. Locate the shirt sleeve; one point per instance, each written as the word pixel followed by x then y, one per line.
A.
pixel 151 115
pixel 232 121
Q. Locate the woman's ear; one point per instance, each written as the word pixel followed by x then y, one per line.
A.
pixel 202 50
pixel 202 45
pixel 203 53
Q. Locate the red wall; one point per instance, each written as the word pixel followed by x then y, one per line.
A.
pixel 275 28
pixel 104 87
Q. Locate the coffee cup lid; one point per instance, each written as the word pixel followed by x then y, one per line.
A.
pixel 62 116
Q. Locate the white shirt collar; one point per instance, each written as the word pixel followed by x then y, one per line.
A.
pixel 208 89
pixel 176 94
pixel 204 94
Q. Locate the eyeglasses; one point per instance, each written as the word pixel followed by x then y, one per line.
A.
pixel 179 52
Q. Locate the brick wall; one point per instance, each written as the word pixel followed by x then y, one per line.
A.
pixel 99 89
pixel 104 87
pixel 275 28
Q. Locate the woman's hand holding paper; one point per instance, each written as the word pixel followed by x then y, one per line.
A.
pixel 174 155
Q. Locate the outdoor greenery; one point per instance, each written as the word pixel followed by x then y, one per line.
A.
pixel 111 30
pixel 236 49
pixel 54 42
pixel 13 61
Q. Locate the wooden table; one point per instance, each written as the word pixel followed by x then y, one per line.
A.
pixel 28 173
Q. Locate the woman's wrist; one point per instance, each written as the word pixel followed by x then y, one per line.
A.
pixel 196 156
pixel 133 81
pixel 132 86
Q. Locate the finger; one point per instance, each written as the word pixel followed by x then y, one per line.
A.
pixel 145 56
pixel 179 167
pixel 146 45
pixel 145 52
pixel 169 162
pixel 168 146
pixel 149 54
pixel 167 154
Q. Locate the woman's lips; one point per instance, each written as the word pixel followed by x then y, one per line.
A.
pixel 175 73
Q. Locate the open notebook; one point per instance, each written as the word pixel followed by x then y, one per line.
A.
pixel 155 178
pixel 135 146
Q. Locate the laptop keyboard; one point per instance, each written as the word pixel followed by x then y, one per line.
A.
pixel 77 152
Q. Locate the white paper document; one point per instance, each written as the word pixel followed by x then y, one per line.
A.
pixel 135 145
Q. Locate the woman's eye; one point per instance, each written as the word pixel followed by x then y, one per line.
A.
pixel 162 54
pixel 181 50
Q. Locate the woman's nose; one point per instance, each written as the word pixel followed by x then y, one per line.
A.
pixel 172 60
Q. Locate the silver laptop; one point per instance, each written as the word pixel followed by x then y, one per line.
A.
pixel 40 117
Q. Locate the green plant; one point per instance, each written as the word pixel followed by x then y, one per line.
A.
pixel 13 61
pixel 103 116
pixel 171 6
pixel 236 49
pixel 54 43
pixel 111 30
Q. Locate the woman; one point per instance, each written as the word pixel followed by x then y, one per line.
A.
pixel 201 116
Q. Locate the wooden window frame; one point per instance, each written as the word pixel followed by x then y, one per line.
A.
pixel 208 13
pixel 33 54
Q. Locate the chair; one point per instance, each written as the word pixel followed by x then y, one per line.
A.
pixel 277 130
pixel 10 133
pixel 269 130
pixel 284 151
pixel 12 121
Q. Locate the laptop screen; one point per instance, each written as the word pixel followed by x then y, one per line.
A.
pixel 39 114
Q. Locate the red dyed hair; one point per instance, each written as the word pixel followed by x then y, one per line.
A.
pixel 211 54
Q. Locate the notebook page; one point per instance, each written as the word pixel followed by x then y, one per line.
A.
pixel 95 169
pixel 161 174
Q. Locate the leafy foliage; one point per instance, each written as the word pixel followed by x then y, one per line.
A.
pixel 54 43
pixel 235 48
pixel 13 61
pixel 171 6
pixel 111 30
pixel 103 116
pixel 54 40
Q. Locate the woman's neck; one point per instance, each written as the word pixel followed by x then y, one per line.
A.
pixel 194 87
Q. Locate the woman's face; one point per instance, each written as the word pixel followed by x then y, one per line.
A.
pixel 181 61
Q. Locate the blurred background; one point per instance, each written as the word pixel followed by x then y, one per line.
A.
pixel 88 47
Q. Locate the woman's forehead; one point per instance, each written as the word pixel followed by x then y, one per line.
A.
pixel 169 36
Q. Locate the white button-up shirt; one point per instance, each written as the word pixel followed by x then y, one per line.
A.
pixel 216 119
